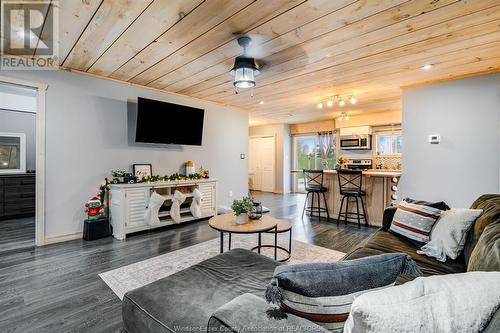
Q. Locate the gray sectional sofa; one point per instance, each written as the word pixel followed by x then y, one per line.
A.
pixel 225 293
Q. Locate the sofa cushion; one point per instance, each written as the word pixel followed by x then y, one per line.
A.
pixel 249 313
pixel 486 253
pixel 490 204
pixel 439 205
pixel 450 233
pixel 452 303
pixel 387 242
pixel 188 298
pixel 323 292
pixel 414 221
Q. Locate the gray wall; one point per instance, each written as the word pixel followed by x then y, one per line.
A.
pixel 466 164
pixel 22 122
pixel 87 137
pixel 283 153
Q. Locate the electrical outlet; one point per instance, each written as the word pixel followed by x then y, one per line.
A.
pixel 230 194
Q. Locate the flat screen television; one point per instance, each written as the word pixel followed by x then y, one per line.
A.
pixel 167 123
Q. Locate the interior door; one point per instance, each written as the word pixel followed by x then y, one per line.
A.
pixel 267 158
pixel 254 171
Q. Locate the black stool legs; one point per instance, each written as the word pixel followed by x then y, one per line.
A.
pixel 311 209
pixel 346 215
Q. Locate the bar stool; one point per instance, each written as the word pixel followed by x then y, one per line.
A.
pixel 350 183
pixel 313 181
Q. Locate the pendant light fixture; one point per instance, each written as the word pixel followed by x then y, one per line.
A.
pixel 244 69
pixel 343 116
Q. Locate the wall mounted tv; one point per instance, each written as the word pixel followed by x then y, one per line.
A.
pixel 167 123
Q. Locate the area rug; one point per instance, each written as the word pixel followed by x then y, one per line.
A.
pixel 136 275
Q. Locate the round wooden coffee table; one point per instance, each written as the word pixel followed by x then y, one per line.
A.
pixel 281 227
pixel 226 223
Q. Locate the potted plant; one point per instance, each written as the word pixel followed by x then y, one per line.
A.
pixel 342 161
pixel 241 208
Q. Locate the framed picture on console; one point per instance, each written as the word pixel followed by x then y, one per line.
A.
pixel 142 170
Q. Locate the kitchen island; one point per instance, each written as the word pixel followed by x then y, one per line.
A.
pixel 378 185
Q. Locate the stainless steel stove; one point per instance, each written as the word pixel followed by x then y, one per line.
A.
pixel 359 164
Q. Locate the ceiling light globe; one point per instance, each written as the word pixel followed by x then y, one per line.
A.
pixel 244 78
pixel 427 67
pixel 341 102
pixel 329 103
pixel 346 117
pixel 353 100
pixel 320 105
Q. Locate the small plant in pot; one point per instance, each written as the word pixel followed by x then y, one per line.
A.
pixel 241 208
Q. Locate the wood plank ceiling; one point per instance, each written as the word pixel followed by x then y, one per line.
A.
pixel 313 49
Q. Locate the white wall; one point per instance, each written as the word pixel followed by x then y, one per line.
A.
pixel 17 98
pixel 466 164
pixel 283 152
pixel 21 122
pixel 87 137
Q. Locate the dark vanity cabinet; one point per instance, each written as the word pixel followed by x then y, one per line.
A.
pixel 17 195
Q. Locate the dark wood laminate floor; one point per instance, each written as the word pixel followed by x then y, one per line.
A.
pixel 56 288
pixel 17 234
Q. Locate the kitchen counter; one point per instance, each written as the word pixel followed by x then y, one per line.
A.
pixel 371 172
pixel 378 187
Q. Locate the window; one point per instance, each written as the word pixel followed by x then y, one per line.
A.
pixel 307 154
pixel 389 144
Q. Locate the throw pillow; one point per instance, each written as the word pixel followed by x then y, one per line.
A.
pixel 439 204
pixel 452 303
pixel 323 292
pixel 414 221
pixel 449 234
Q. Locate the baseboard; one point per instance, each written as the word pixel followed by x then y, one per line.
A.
pixel 63 238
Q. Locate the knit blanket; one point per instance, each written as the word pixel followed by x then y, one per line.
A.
pixel 453 303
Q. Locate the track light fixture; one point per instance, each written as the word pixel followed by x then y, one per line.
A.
pixel 341 101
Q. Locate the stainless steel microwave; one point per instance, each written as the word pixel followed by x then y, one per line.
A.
pixel 356 142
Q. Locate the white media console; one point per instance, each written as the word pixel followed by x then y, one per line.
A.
pixel 128 203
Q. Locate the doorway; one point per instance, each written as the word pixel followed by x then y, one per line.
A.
pixel 22 170
pixel 307 153
pixel 262 164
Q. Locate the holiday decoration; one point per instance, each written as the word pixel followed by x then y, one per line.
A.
pixel 122 177
pixel 94 208
pixel 190 168
pixel 101 193
pixel 204 173
pixel 175 209
pixel 151 215
pixel 195 207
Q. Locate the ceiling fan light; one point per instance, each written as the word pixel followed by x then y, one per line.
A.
pixel 319 105
pixel 341 102
pixel 329 103
pixel 353 100
pixel 244 72
pixel 244 78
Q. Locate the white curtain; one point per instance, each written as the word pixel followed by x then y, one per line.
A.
pixel 326 144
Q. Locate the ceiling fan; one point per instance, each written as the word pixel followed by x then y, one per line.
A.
pixel 245 68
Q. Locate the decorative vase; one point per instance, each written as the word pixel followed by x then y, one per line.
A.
pixel 257 211
pixel 242 218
